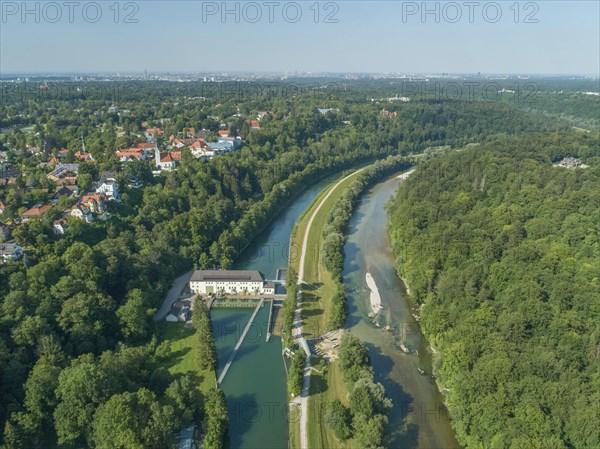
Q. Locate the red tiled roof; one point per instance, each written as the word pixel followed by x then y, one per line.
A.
pixel 37 211
pixel 129 152
pixel 224 132
pixel 167 158
pixel 87 198
pixel 85 157
pixel 143 145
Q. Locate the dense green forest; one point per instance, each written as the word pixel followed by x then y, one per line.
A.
pixel 79 307
pixel 500 250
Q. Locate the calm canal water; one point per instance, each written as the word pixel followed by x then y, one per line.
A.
pixel 255 385
pixel 419 419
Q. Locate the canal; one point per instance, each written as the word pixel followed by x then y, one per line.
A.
pixel 256 384
pixel 419 418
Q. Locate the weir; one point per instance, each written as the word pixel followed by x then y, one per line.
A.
pixel 239 343
pixel 269 324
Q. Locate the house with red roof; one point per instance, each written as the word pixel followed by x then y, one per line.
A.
pixel 36 211
pixel 224 133
pixel 83 157
pixel 2 207
pixel 132 154
pixel 94 202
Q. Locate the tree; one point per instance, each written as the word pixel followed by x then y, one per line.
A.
pixel 370 432
pixel 337 416
pixel 207 353
pixel 134 421
pixel 134 316
pixel 184 397
pixel 216 419
pixel 204 261
pixel 296 375
pixel 84 317
pixel 353 357
pixel 82 387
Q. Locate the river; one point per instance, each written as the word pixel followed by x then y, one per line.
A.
pixel 419 419
pixel 256 384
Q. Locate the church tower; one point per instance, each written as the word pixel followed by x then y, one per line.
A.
pixel 157 156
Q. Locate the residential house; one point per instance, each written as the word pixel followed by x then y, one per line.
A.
pixel 180 311
pixel 36 211
pixel 83 156
pixel 108 186
pixel 81 212
pixel 59 226
pixel 64 174
pixel 70 191
pixel 10 251
pixel 150 133
pixel 94 203
pixel 132 154
pixel 233 142
pixel 2 207
pixel 224 133
pixel 189 133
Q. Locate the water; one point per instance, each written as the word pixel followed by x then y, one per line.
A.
pixel 419 419
pixel 256 383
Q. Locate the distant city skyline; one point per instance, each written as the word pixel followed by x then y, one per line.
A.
pixel 538 38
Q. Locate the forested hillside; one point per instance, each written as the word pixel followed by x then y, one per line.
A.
pixel 501 252
pixel 78 300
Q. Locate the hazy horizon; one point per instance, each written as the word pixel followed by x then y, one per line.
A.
pixel 553 38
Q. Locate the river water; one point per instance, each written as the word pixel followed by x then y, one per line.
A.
pixel 419 419
pixel 256 384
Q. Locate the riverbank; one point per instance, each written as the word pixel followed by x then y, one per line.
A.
pixel 327 311
pixel 419 418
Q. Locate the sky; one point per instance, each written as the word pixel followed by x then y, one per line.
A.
pixel 541 37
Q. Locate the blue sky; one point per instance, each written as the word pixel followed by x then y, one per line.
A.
pixel 369 36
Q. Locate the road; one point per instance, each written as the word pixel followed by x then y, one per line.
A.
pixel 302 400
pixel 172 295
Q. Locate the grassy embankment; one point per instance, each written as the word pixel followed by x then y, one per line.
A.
pixel 319 287
pixel 183 354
